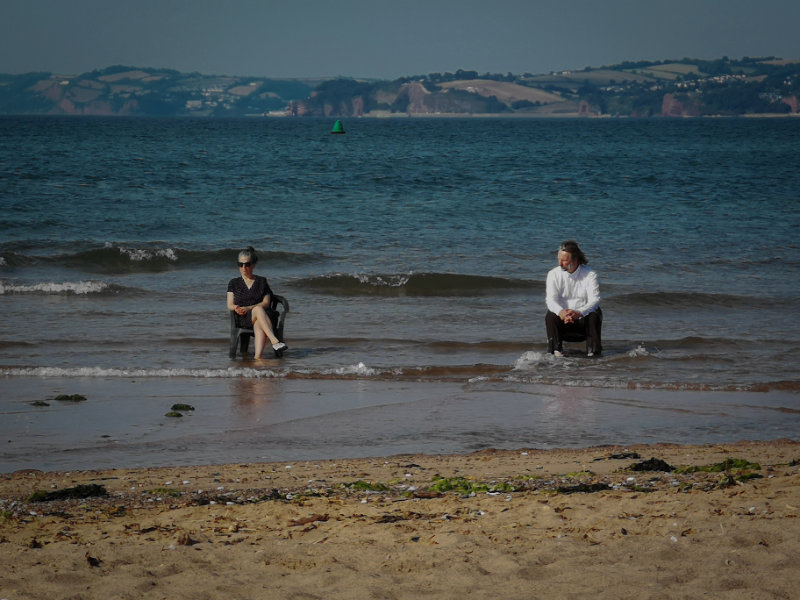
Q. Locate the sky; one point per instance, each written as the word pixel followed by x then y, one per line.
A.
pixel 385 39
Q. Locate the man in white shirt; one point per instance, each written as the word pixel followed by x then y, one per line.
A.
pixel 573 302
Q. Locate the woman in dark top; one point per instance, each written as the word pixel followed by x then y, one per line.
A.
pixel 249 296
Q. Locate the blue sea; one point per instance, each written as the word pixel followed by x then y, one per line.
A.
pixel 413 254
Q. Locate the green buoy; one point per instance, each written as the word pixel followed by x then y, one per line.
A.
pixel 338 127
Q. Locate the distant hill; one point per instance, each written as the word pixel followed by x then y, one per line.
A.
pixel 122 90
pixel 686 87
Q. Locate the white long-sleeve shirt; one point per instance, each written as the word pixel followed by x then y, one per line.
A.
pixel 577 291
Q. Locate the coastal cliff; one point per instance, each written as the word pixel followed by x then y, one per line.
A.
pixel 686 88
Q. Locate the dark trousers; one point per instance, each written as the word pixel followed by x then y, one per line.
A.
pixel 586 328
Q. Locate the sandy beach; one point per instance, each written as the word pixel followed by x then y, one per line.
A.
pixel 607 521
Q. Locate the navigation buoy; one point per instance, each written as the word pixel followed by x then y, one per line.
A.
pixel 338 127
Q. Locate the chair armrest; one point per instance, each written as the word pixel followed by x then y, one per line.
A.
pixel 276 299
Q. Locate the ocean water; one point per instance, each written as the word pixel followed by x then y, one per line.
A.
pixel 410 250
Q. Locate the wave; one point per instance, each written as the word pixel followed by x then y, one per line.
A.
pixel 76 288
pixel 151 257
pixel 415 284
pixel 537 368
pixel 111 373
pixel 682 300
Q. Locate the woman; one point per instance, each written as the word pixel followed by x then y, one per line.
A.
pixel 249 297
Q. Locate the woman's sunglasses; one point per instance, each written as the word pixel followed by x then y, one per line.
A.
pixel 245 264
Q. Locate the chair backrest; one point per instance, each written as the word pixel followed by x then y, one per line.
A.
pixel 278 315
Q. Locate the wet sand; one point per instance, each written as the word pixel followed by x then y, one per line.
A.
pixel 562 523
pixel 122 422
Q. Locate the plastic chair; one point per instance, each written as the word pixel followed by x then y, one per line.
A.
pixel 573 334
pixel 240 336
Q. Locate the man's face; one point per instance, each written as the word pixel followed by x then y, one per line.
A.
pixel 566 262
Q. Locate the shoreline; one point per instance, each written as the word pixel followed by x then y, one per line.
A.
pixel 514 523
pixel 126 422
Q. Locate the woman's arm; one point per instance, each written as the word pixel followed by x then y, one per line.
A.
pixel 241 310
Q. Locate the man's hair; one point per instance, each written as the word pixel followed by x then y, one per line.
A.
pixel 575 251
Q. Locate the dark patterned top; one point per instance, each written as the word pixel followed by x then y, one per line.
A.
pixel 244 296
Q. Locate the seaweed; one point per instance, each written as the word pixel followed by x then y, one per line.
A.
pixel 77 492
pixel 163 491
pixel 585 488
pixel 654 464
pixel 466 486
pixel 367 486
pixel 173 413
pixel 623 455
pixel 70 398
pixel 579 474
pixel 39 403
pixel 182 407
pixel 729 464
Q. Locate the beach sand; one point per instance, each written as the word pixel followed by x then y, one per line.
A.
pixel 518 524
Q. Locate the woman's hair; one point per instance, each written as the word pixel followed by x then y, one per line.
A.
pixel 249 254
pixel 575 251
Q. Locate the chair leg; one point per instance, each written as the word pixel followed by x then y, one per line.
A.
pixel 234 343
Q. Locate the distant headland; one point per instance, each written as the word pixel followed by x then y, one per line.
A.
pixel 766 86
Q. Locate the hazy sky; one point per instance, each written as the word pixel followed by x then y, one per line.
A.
pixel 385 38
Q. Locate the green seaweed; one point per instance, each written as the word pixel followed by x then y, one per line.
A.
pixel 367 486
pixel 77 492
pixel 182 407
pixel 466 486
pixel 70 398
pixel 579 474
pixel 640 488
pixel 40 403
pixel 729 464
pixel 173 413
pixel 164 491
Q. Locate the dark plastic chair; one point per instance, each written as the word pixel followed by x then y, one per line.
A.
pixel 240 336
pixel 572 335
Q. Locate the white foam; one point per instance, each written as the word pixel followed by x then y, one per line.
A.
pixel 530 359
pixel 141 254
pixel 640 350
pixel 359 369
pixel 398 280
pixel 99 372
pixel 67 287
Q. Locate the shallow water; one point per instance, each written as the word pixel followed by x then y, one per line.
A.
pixel 410 251
pixel 122 422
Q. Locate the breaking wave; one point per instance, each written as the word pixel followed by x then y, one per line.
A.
pixel 121 258
pixel 74 288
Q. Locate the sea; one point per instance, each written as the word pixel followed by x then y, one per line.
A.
pixel 413 254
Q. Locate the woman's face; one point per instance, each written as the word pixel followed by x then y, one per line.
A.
pixel 245 263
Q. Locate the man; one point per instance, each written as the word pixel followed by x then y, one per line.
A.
pixel 573 302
